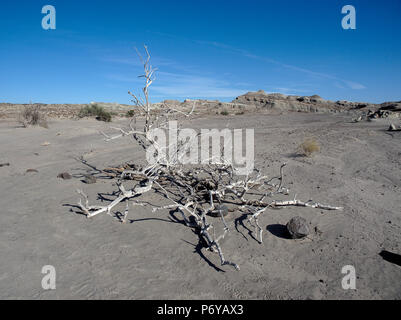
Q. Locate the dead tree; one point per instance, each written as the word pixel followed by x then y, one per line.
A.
pixel 196 191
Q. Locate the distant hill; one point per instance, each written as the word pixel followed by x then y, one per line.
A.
pixel 251 102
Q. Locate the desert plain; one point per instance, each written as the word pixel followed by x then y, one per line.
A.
pixel 155 256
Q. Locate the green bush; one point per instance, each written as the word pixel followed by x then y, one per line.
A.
pixel 224 113
pixel 94 110
pixel 130 113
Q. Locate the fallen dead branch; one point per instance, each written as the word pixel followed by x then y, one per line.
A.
pixel 196 191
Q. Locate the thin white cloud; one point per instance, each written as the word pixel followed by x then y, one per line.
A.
pixel 186 84
pixel 176 85
pixel 350 84
pixel 290 91
pixel 192 86
pixel 354 85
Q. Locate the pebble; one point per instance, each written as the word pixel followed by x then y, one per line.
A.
pixel 64 176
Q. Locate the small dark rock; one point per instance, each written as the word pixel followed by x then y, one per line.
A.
pixel 89 179
pixel 32 171
pixel 4 164
pixel 298 228
pixel 64 176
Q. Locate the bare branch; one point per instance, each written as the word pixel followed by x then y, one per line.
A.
pixel 197 192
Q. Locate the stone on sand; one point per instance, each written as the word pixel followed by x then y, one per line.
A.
pixel 64 176
pixel 298 228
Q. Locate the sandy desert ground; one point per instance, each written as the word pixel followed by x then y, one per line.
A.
pixel 155 257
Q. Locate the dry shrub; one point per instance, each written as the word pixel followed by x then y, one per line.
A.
pixel 309 146
pixel 32 116
pixel 97 111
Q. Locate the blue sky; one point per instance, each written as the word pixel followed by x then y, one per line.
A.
pixel 203 49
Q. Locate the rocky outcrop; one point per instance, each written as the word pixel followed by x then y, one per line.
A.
pixel 282 102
